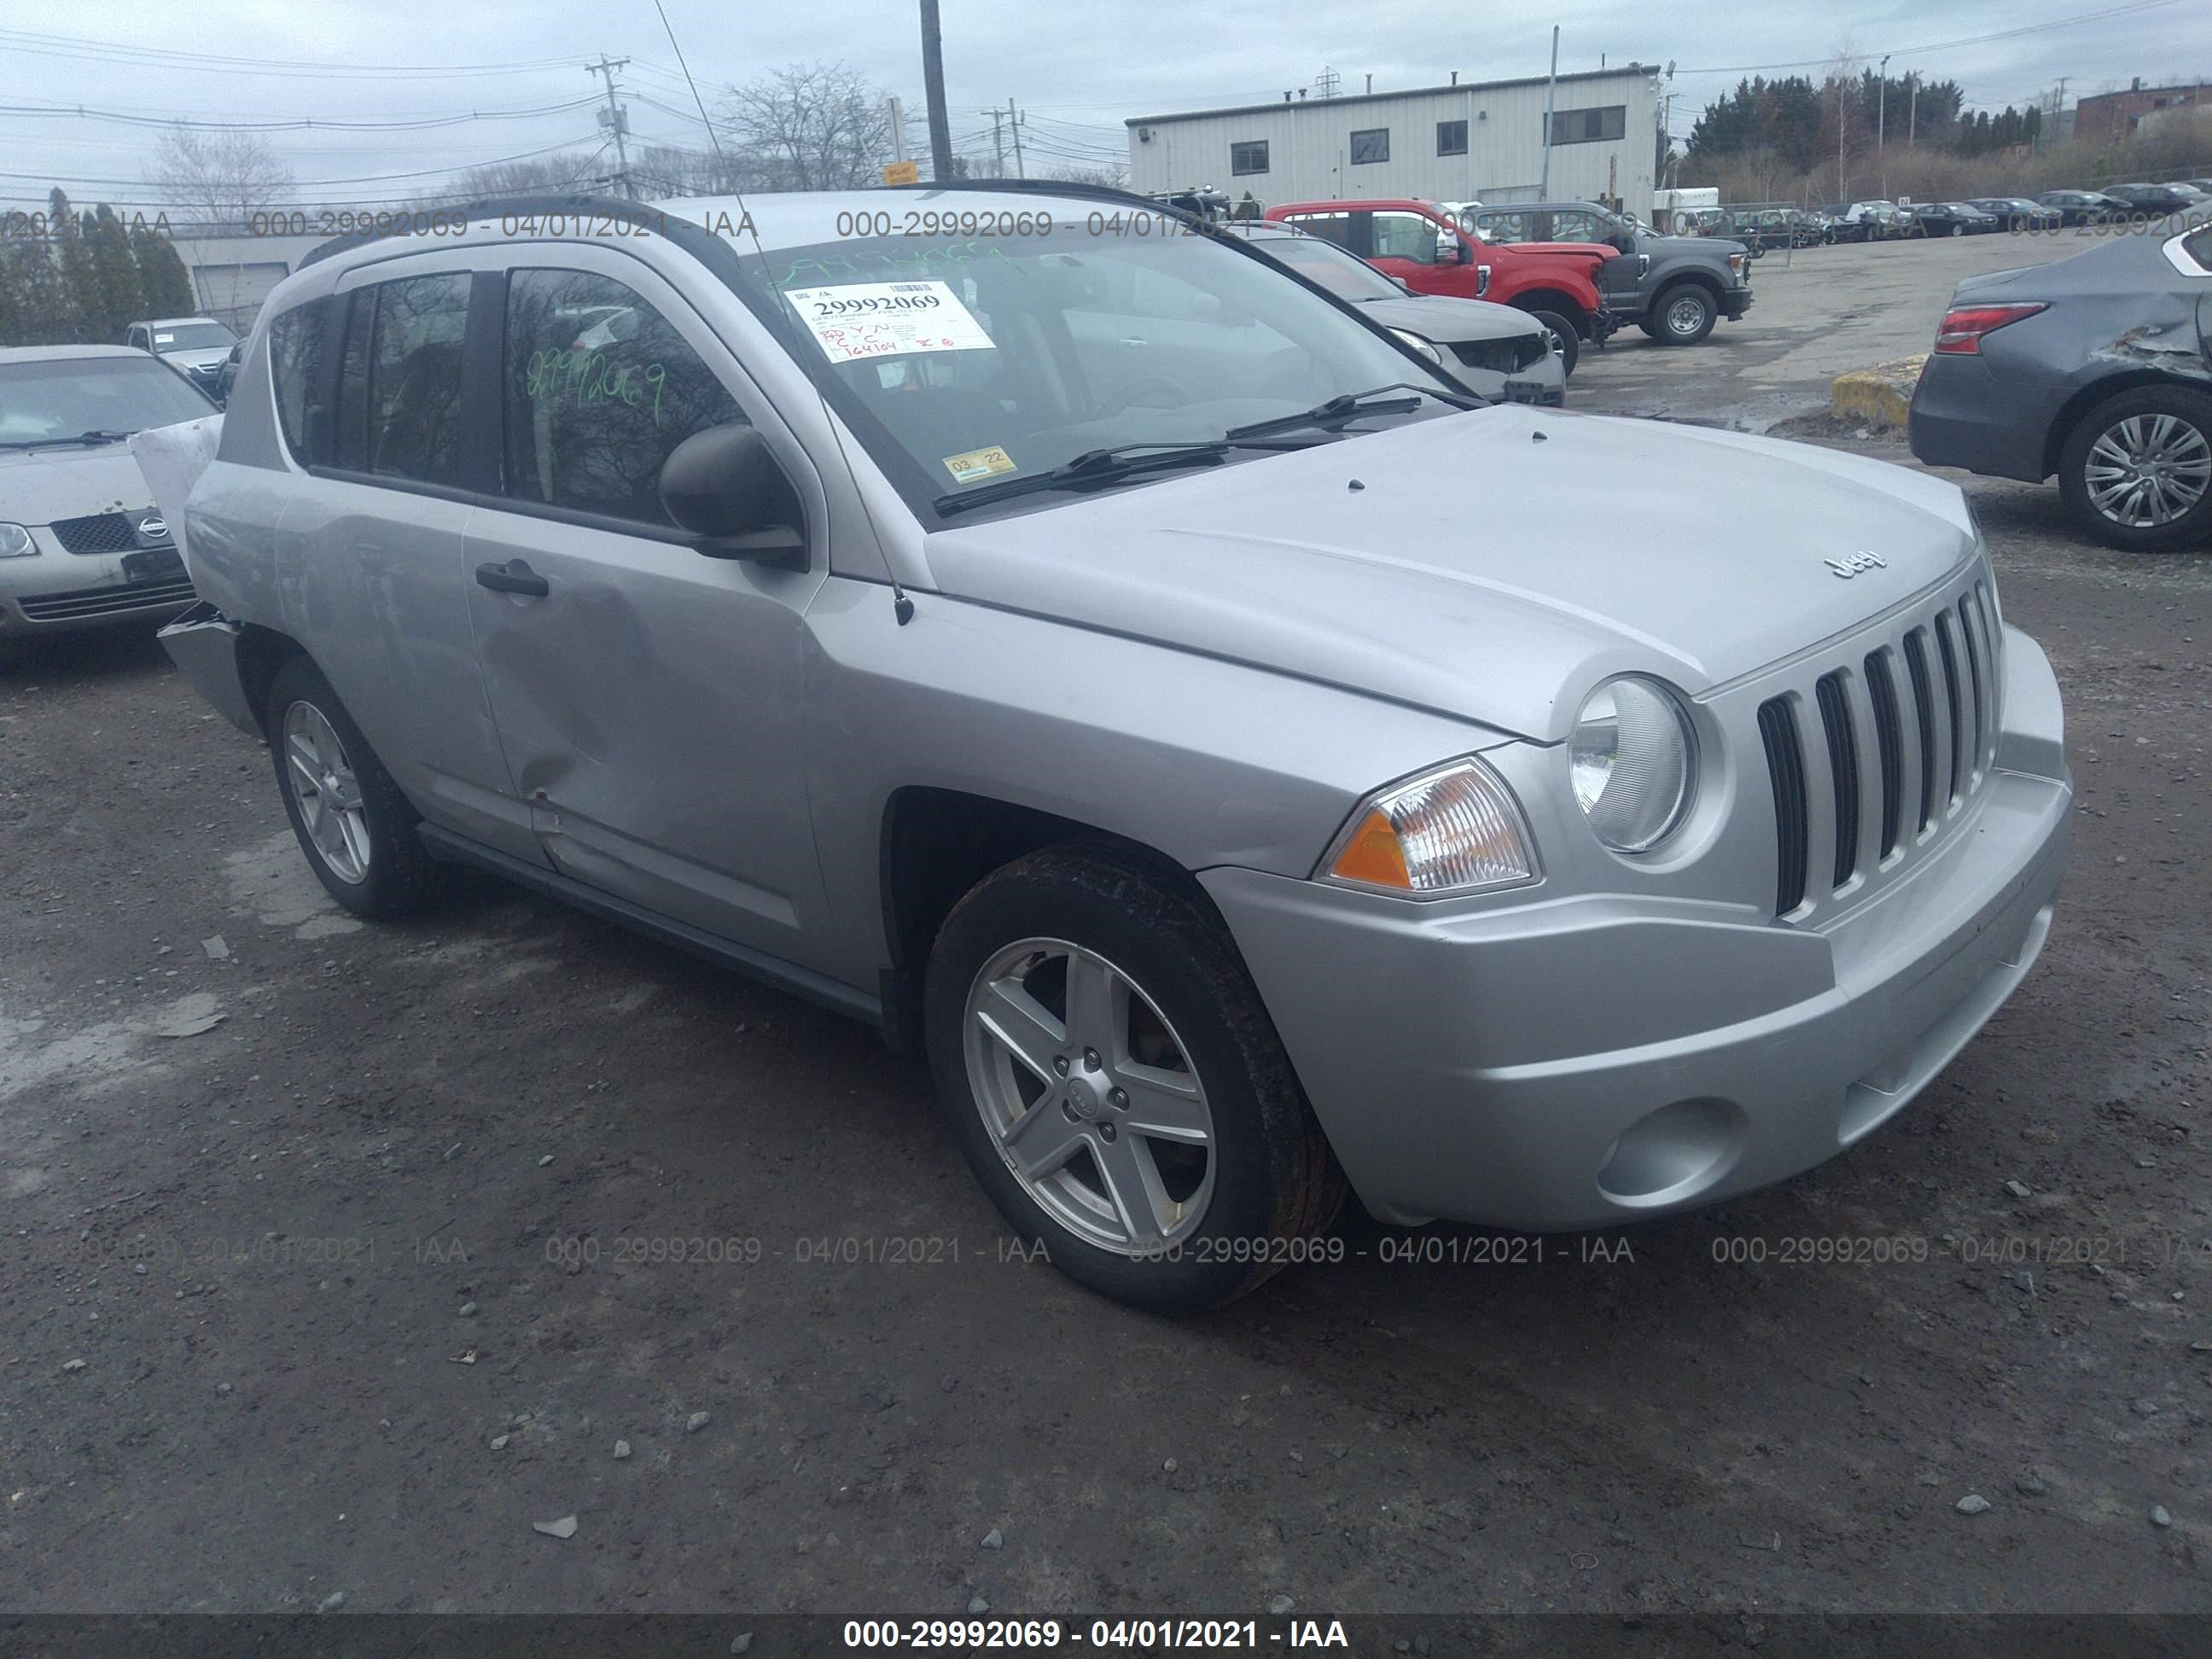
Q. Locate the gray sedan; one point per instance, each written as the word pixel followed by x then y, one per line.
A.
pixel 2095 368
pixel 1494 351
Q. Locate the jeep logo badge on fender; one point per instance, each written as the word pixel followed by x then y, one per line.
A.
pixel 1849 568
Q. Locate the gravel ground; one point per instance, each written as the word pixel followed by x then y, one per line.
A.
pixel 334 1260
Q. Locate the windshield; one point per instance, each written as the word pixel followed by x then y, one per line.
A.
pixel 65 396
pixel 1340 270
pixel 191 336
pixel 969 364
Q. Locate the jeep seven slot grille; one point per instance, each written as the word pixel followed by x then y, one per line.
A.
pixel 1865 787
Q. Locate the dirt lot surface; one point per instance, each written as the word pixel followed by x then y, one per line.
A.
pixel 333 1258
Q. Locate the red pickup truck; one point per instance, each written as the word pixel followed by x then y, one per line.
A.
pixel 1421 244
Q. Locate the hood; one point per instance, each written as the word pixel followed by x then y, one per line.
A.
pixel 201 357
pixel 39 486
pixel 1438 317
pixel 1576 251
pixel 1492 565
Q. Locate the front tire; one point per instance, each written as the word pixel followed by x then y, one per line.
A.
pixel 1116 1085
pixel 1560 323
pixel 1686 315
pixel 2136 471
pixel 353 824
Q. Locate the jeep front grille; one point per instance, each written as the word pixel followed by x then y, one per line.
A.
pixel 1860 785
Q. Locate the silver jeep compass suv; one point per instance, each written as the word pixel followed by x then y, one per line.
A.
pixel 1056 634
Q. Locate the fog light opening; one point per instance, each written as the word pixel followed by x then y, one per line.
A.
pixel 1672 1154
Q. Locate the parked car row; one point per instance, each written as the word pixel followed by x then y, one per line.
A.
pixel 1580 269
pixel 1061 657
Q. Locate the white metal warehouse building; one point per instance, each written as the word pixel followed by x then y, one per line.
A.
pixel 1478 140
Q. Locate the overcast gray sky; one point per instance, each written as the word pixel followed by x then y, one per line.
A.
pixel 1079 70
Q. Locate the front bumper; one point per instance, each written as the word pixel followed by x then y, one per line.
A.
pixel 1458 1060
pixel 53 592
pixel 1735 303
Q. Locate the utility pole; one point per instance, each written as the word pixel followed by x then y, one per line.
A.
pixel 1881 125
pixel 1544 190
pixel 1015 121
pixel 932 80
pixel 896 117
pixel 616 119
pixel 1913 111
pixel 997 141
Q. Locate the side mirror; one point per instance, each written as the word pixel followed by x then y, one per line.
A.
pixel 1451 251
pixel 725 487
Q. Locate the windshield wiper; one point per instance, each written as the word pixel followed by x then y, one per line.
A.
pixel 98 435
pixel 1354 405
pixel 1095 468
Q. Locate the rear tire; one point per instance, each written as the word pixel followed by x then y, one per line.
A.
pixel 1685 314
pixel 353 824
pixel 1079 992
pixel 2135 471
pixel 1560 323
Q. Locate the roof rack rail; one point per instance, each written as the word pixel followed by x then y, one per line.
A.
pixel 612 207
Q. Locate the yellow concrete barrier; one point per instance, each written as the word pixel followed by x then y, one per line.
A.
pixel 1880 396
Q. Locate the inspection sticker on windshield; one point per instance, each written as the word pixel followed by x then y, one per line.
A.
pixel 979 464
pixel 859 321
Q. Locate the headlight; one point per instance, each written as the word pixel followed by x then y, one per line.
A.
pixel 1447 832
pixel 15 542
pixel 1420 345
pixel 1633 759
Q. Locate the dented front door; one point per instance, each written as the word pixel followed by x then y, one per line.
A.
pixel 651 702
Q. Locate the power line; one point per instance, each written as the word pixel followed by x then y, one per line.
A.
pixel 66 45
pixel 316 184
pixel 297 124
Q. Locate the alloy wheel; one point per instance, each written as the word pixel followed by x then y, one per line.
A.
pixel 1090 1096
pixel 2147 469
pixel 328 792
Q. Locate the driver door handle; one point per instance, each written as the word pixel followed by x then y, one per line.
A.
pixel 515 576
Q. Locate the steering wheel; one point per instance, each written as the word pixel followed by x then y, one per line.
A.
pixel 1128 395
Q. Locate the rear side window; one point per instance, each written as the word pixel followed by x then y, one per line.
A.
pixel 598 388
pixel 295 366
pixel 399 385
pixel 2199 246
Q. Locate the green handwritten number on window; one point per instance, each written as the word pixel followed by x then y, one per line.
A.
pixel 586 377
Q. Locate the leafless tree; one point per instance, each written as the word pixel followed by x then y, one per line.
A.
pixel 220 176
pixel 812 126
pixel 1103 177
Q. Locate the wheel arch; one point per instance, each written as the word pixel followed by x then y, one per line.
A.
pixel 937 843
pixel 262 651
pixel 2070 413
pixel 1552 299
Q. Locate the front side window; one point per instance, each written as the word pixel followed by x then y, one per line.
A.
pixel 1451 138
pixel 399 389
pixel 1371 145
pixel 1248 158
pixel 598 388
pixel 1406 236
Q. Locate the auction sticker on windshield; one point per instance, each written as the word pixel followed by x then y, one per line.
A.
pixel 859 321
